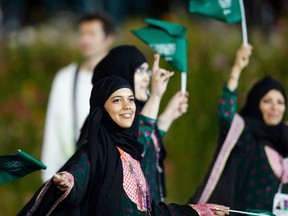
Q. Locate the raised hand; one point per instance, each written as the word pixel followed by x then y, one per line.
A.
pixel 160 78
pixel 242 57
pixel 241 61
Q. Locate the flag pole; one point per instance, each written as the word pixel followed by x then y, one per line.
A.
pixel 247 213
pixel 183 82
pixel 53 173
pixel 243 23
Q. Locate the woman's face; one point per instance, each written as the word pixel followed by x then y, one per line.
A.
pixel 141 82
pixel 121 107
pixel 272 106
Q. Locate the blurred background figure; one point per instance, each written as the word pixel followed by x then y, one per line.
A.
pixel 69 97
pixel 252 146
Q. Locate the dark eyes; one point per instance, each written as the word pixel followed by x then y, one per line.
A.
pixel 117 100
pixel 281 102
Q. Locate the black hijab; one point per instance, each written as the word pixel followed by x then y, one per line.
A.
pixel 104 135
pixel 277 136
pixel 99 119
pixel 121 61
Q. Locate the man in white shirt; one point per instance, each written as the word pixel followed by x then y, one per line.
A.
pixel 68 104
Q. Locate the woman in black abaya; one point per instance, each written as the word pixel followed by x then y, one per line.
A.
pixel 104 176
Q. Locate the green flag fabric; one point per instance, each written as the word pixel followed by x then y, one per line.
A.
pixel 16 166
pixel 224 10
pixel 166 38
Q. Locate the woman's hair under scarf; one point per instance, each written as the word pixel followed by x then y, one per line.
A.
pixel 276 135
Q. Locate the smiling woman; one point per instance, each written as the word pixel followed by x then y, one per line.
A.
pixel 272 106
pixel 121 107
pixel 252 146
pixel 104 177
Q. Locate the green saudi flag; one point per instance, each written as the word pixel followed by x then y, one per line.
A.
pixel 224 10
pixel 16 166
pixel 166 38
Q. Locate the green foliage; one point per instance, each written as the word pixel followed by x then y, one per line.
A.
pixel 27 70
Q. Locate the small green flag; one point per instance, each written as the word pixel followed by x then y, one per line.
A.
pixel 224 10
pixel 16 166
pixel 166 38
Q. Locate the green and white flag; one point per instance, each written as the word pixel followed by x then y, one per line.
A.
pixel 225 10
pixel 230 11
pixel 169 40
pixel 16 166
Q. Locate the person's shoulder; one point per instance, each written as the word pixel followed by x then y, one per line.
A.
pixel 68 69
pixel 65 74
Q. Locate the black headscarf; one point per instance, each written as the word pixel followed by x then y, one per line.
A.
pixel 275 135
pixel 99 119
pixel 104 133
pixel 121 61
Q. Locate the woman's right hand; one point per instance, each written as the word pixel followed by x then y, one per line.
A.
pixel 64 181
pixel 241 61
pixel 242 57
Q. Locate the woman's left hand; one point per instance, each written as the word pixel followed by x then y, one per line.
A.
pixel 176 107
pixel 160 78
pixel 221 210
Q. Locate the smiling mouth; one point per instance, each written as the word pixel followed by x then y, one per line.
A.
pixel 126 115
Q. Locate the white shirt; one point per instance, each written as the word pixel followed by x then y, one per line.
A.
pixel 59 138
